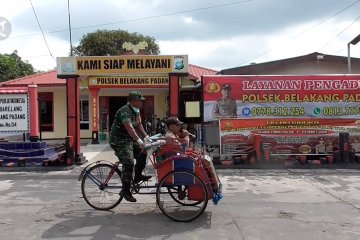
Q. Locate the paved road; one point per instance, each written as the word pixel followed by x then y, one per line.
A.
pixel 258 204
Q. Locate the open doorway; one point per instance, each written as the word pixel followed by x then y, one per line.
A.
pixel 114 104
pixel 147 111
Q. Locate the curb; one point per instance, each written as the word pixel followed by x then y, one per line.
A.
pixel 36 169
pixel 354 166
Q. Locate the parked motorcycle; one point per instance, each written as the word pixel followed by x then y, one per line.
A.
pixel 160 126
pixel 148 127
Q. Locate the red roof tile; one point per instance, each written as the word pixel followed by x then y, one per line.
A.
pixel 46 78
pixel 13 90
pixel 195 72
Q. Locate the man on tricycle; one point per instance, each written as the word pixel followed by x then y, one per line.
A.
pixel 127 144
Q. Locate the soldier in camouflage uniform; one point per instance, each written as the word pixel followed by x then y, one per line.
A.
pixel 225 106
pixel 127 144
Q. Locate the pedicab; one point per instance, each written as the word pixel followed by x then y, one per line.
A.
pixel 185 180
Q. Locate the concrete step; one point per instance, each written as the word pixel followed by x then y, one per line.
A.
pixel 32 161
pixel 22 145
pixel 26 152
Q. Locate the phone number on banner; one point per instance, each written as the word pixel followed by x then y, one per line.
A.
pixel 300 111
pixel 340 111
pixel 274 111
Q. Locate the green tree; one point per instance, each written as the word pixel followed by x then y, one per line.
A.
pixel 12 66
pixel 109 42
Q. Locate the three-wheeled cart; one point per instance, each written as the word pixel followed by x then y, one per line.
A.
pixel 185 181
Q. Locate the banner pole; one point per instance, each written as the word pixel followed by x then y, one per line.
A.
pixel 202 113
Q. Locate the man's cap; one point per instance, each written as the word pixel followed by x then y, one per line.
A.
pixel 173 120
pixel 135 95
pixel 226 86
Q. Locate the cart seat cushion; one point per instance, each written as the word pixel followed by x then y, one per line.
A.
pixel 176 163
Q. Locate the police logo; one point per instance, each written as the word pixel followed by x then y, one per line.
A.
pixel 246 111
pixel 228 126
pixel 212 87
pixel 179 63
pixel 5 28
pixel 68 67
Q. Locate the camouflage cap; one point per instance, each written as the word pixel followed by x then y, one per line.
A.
pixel 135 95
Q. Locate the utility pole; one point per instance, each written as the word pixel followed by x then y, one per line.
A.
pixel 71 48
pixel 353 42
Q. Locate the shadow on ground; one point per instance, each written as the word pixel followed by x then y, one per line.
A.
pixel 110 225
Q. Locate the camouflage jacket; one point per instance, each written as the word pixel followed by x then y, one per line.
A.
pixel 118 131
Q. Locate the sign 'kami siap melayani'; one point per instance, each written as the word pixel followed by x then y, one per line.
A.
pixel 125 64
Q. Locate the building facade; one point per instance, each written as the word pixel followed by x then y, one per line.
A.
pixel 110 93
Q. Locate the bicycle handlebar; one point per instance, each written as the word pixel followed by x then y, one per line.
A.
pixel 156 136
pixel 147 146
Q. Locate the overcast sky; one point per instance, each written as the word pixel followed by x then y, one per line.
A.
pixel 215 34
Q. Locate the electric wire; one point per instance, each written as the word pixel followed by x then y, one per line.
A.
pixel 302 32
pixel 138 19
pixel 187 11
pixel 42 32
pixel 341 32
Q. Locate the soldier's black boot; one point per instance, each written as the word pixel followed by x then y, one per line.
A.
pixel 141 178
pixel 125 193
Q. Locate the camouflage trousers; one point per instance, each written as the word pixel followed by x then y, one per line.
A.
pixel 126 152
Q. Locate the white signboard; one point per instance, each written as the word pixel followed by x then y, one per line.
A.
pixel 14 115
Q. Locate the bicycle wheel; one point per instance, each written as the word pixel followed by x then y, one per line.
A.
pixel 173 199
pixel 97 193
